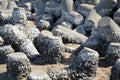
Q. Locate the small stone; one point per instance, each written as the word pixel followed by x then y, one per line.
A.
pixel 38 75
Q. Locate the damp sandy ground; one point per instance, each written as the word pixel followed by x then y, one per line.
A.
pixel 103 73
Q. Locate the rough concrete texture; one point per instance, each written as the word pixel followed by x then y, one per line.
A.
pixel 85 64
pixel 115 72
pixel 112 52
pixel 101 8
pixel 18 16
pixel 74 37
pixel 93 2
pixel 84 9
pixel 4 51
pixel 51 47
pixel 18 66
pixel 107 30
pixel 92 20
pixel 16 37
pixel 38 75
pixel 116 17
pixel 43 25
pixel 81 29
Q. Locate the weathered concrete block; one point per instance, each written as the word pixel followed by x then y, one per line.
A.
pixel 93 2
pixel 85 64
pixel 101 8
pixel 112 52
pixel 4 51
pixel 83 67
pixel 107 30
pixel 38 75
pixel 14 36
pixel 84 9
pixel 92 20
pixel 18 66
pixel 30 32
pixel 74 37
pixel 51 47
pixel 95 43
pixel 18 16
pixel 62 74
pixel 115 72
pixel 73 17
pixel 116 17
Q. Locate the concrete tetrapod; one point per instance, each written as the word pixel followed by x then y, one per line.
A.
pixel 12 35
